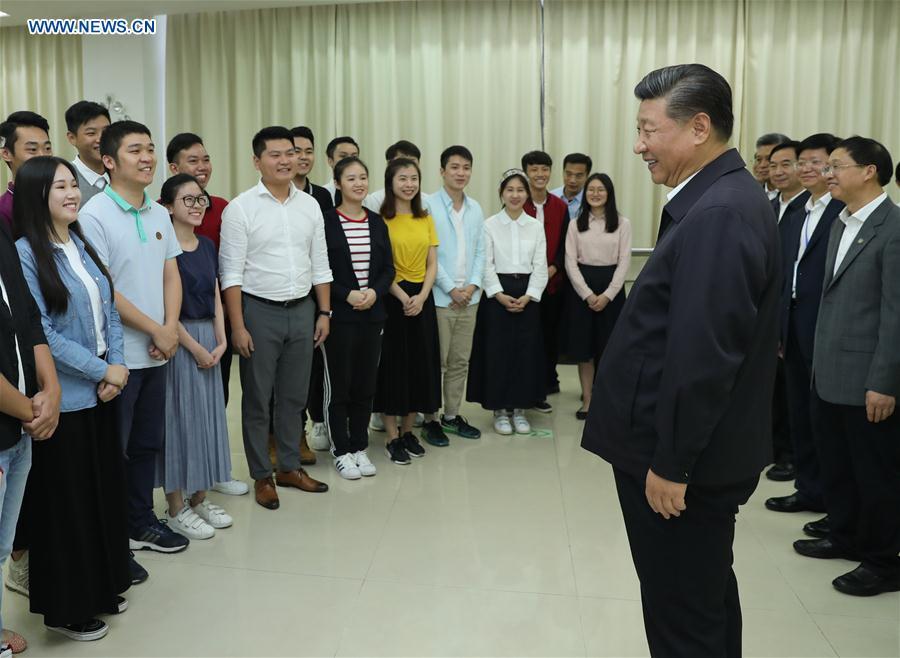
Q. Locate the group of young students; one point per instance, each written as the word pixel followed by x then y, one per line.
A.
pixel 341 302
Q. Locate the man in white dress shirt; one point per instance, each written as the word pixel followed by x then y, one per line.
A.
pixel 85 122
pixel 338 149
pixel 401 149
pixel 272 256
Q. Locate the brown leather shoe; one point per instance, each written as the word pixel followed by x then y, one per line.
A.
pixel 266 494
pixel 307 456
pixel 300 479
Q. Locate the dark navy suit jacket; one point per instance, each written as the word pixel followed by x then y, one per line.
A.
pixel 686 381
pixel 801 315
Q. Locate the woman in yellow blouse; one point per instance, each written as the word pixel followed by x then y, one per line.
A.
pixel 409 375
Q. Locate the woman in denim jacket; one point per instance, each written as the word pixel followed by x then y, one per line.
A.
pixel 73 516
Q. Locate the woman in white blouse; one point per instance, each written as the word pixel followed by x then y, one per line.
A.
pixel 598 254
pixel 506 374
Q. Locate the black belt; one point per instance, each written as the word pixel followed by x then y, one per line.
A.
pixel 285 304
pixel 514 275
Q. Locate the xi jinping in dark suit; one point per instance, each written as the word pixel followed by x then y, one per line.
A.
pixel 683 396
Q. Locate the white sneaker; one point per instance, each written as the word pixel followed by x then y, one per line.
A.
pixel 502 425
pixel 188 524
pixel 318 438
pixel 346 467
pixel 17 576
pixel 521 423
pixel 376 423
pixel 419 420
pixel 231 488
pixel 365 465
pixel 214 515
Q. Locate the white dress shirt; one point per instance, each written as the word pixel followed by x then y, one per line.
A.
pixel 271 249
pixel 459 226
pixel 783 205
pixel 814 212
pixel 515 246
pixel 97 180
pixel 671 194
pixel 852 224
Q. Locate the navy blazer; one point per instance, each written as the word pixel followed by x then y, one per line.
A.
pixel 796 208
pixel 801 315
pixel 686 381
pixel 381 268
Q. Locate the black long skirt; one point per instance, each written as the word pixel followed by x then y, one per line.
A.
pixel 76 518
pixel 586 332
pixel 507 369
pixel 409 374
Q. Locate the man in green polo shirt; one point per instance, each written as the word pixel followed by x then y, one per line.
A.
pixel 134 238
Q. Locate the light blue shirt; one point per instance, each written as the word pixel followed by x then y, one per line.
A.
pixel 71 335
pixel 573 203
pixel 441 206
pixel 134 244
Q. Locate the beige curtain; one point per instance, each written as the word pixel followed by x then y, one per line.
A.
pixel 41 74
pixel 597 52
pixel 447 72
pixel 436 73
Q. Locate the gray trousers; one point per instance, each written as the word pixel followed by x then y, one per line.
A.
pixel 281 361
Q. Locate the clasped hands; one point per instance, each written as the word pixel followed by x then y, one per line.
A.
pixel 513 304
pixel 113 382
pixel 360 300
pixel 164 342
pixel 461 297
pixel 596 302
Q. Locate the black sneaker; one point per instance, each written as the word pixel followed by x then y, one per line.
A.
pixel 412 445
pixel 460 427
pixel 434 434
pixel 93 629
pixel 544 407
pixel 397 453
pixel 158 537
pixel 138 573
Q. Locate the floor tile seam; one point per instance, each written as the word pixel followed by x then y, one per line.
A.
pixel 824 635
pixel 565 512
pixel 279 572
pixel 468 588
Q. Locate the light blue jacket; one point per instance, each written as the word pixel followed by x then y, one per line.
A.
pixel 441 206
pixel 71 335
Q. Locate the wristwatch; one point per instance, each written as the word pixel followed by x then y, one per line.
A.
pixel 326 314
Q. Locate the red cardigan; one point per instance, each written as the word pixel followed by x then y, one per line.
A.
pixel 556 222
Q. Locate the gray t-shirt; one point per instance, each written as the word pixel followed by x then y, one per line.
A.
pixel 134 245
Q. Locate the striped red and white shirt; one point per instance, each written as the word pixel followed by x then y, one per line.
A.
pixel 357 233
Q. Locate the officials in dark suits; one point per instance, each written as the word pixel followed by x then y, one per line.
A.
pixel 804 235
pixel 787 203
pixel 856 374
pixel 682 400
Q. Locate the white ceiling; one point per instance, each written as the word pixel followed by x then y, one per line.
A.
pixel 21 10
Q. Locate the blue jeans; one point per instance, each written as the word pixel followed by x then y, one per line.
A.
pixel 15 463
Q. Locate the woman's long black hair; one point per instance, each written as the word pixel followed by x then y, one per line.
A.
pixel 32 221
pixel 389 206
pixel 610 210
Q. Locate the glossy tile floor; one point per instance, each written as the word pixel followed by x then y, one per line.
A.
pixel 505 546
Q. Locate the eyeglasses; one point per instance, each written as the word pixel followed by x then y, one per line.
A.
pixel 201 200
pixel 831 168
pixel 815 164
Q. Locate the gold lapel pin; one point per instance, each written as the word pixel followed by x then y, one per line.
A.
pixel 860 241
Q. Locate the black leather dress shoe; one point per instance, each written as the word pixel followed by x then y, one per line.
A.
pixel 818 529
pixel 792 503
pixel 784 472
pixel 822 549
pixel 862 581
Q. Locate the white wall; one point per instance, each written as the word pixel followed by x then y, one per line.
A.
pixel 132 70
